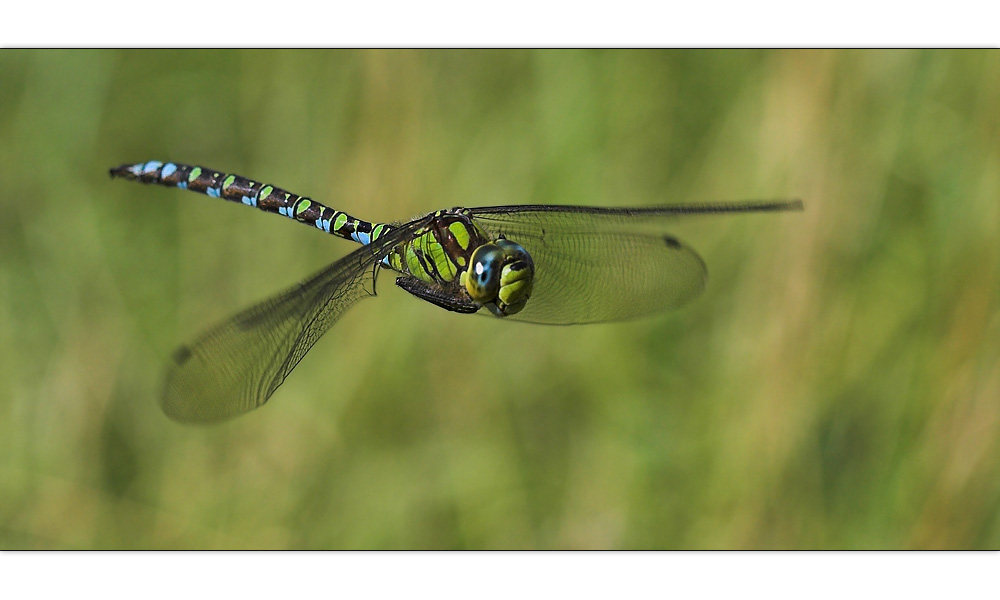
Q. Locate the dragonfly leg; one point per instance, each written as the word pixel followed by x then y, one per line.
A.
pixel 448 299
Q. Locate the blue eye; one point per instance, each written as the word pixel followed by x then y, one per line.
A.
pixel 485 281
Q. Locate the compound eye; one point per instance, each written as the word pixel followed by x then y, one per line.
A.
pixel 483 278
pixel 516 278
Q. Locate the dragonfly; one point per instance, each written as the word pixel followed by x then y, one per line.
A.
pixel 539 263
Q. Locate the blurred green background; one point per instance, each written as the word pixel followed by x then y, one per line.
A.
pixel 836 386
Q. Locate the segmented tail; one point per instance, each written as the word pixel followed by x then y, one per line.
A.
pixel 264 196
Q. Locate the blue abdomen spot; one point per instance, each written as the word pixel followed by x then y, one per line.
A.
pixel 213 192
pixel 168 170
pixel 151 166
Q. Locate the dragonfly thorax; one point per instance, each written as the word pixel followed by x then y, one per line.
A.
pixel 454 252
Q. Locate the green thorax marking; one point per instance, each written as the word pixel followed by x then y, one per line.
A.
pixel 439 252
pixel 460 233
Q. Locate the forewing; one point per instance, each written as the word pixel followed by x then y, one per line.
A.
pixel 649 219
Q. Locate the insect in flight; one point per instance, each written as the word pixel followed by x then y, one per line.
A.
pixel 538 263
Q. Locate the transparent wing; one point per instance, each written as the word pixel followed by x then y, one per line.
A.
pixel 236 366
pixel 607 264
pixel 596 277
pixel 548 217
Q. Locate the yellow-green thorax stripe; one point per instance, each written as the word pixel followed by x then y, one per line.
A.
pixel 440 251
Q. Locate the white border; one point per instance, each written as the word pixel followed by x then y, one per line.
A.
pixel 452 23
pixel 833 575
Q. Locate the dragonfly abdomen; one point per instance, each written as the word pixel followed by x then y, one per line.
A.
pixel 263 196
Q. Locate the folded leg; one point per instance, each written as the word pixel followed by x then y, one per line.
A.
pixel 449 299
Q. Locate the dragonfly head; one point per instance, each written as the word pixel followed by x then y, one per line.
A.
pixel 500 276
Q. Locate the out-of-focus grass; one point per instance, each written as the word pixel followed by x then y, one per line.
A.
pixel 837 385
